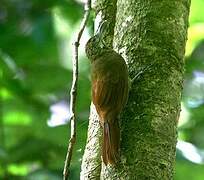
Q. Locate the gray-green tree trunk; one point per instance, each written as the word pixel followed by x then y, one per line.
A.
pixel 147 32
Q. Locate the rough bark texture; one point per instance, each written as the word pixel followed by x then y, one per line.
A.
pixel 150 32
pixel 91 163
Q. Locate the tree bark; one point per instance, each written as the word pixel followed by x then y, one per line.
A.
pixel 148 33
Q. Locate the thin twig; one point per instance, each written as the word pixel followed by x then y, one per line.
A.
pixel 73 92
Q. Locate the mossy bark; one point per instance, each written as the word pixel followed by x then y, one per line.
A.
pixel 150 33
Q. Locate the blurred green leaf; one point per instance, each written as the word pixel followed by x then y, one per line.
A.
pixel 195 36
pixel 196 11
pixel 21 170
pixel 17 118
pixel 43 175
pixel 186 170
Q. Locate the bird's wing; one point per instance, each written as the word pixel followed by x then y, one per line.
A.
pixel 109 94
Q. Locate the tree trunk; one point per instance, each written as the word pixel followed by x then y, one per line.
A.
pixel 148 34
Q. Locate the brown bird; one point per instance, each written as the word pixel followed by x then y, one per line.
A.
pixel 109 78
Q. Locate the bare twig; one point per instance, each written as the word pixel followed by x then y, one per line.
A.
pixel 73 92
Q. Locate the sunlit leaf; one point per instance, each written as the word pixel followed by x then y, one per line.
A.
pixel 5 94
pixel 17 118
pixel 17 169
pixel 195 35
pixel 196 11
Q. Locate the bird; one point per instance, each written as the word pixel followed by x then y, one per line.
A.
pixel 109 80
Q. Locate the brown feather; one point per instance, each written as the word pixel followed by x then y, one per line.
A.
pixel 109 95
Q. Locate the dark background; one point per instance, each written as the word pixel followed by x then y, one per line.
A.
pixel 35 79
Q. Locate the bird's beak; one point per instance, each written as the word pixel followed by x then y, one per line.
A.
pixel 102 27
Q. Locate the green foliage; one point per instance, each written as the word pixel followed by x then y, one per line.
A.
pixel 33 78
pixel 186 170
pixel 191 127
pixel 196 12
pixel 35 60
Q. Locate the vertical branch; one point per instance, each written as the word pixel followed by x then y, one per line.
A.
pixel 73 92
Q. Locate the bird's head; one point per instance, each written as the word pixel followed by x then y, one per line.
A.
pixel 96 44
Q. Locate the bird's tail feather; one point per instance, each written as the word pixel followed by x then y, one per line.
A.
pixel 111 139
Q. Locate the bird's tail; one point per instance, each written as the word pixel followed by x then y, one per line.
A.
pixel 111 143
